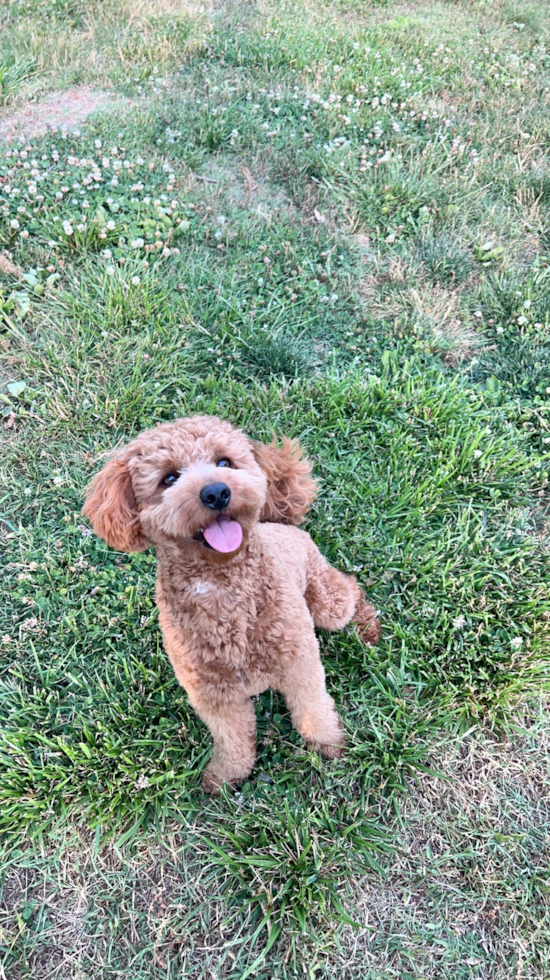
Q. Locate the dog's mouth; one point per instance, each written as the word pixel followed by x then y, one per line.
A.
pixel 223 535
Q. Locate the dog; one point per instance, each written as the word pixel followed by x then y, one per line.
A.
pixel 240 587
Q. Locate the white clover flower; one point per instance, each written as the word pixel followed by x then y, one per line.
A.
pixel 111 225
pixel 141 783
pixel 522 320
pixel 58 196
pixel 67 227
pixel 14 224
pixel 29 624
pixel 137 243
pixel 97 144
pixel 135 280
pixel 106 253
pixel 459 622
pixel 477 453
pixel 516 642
pixel 110 270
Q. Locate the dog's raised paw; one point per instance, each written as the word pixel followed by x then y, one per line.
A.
pixel 370 632
pixel 367 623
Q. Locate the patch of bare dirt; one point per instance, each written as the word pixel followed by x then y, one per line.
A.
pixel 60 110
pixel 251 191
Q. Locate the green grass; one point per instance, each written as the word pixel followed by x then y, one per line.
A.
pixel 332 221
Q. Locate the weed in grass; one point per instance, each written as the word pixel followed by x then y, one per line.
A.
pixel 444 259
pixel 13 73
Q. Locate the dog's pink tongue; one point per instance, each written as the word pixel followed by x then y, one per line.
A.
pixel 224 535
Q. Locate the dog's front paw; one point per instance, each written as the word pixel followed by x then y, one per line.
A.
pixel 333 751
pixel 330 750
pixel 212 782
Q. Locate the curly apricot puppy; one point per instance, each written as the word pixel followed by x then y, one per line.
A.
pixel 239 589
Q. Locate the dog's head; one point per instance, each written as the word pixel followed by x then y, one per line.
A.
pixel 198 482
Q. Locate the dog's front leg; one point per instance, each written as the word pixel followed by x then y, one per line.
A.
pixel 311 707
pixel 232 721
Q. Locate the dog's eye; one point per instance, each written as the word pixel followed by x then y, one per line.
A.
pixel 223 462
pixel 169 479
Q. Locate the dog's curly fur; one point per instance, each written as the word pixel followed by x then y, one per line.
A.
pixel 233 624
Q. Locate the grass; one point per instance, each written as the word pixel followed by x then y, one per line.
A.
pixel 332 221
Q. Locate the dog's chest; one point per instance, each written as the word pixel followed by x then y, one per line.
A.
pixel 219 620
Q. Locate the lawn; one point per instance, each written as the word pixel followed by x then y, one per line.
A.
pixel 330 220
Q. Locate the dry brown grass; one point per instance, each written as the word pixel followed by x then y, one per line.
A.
pixel 473 867
pixel 468 884
pixel 111 40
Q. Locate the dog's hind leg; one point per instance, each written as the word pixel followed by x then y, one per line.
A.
pixel 335 599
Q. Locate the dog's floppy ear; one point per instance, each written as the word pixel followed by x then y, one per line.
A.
pixel 111 507
pixel 291 488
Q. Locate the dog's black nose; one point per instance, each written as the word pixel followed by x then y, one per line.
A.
pixel 216 496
